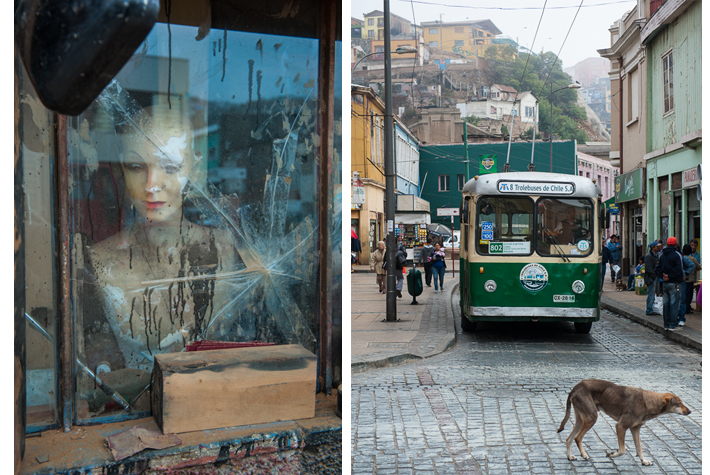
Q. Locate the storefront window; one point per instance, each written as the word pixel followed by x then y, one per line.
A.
pixel 194 206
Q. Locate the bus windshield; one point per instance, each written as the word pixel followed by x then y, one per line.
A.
pixel 563 223
pixel 505 225
pixel 511 226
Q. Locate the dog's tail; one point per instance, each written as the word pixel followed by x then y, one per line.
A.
pixel 569 406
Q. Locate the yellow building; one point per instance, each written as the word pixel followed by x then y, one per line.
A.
pixel 367 154
pixel 469 38
pixel 374 26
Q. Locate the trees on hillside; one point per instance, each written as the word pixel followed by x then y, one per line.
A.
pixel 539 80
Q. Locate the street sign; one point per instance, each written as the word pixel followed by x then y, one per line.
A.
pixel 614 209
pixel 358 190
pixel 447 211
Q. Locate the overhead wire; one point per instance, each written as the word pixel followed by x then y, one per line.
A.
pixel 560 51
pixel 472 7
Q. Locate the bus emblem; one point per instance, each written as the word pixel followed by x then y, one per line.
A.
pixel 533 277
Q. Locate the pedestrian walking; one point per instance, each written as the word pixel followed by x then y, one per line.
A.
pixel 606 258
pixel 692 277
pixel 670 270
pixel 425 260
pixel 615 248
pixel 438 267
pixel 650 277
pixel 377 259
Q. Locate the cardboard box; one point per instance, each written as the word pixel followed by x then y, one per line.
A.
pixel 641 290
pixel 238 386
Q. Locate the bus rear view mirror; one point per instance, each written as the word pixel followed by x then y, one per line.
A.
pixel 72 49
pixel 464 211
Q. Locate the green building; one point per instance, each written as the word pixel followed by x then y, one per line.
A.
pixel 674 149
pixel 443 171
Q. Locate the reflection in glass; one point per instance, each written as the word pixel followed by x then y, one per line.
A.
pixel 195 211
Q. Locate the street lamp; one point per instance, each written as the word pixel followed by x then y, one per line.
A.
pixel 576 85
pixel 401 50
pixel 517 45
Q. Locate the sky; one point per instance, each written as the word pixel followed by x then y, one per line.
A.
pixel 519 18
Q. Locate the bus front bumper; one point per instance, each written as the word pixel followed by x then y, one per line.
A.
pixel 535 312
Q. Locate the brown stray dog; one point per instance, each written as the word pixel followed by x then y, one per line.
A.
pixel 620 285
pixel 630 407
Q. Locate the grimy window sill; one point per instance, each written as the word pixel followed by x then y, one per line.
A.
pixel 84 449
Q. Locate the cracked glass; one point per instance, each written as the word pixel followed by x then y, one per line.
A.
pixel 194 206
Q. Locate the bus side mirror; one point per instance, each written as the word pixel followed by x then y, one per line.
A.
pixel 464 211
pixel 606 219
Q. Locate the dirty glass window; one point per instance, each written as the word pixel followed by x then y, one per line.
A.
pixel 194 206
pixel 564 226
pixel 40 264
pixel 504 226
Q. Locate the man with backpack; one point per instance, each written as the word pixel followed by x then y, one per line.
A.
pixel 400 259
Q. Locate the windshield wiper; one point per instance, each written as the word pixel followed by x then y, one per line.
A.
pixel 557 246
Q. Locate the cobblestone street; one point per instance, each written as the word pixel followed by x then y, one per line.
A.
pixel 493 403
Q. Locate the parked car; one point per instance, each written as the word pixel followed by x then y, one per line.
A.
pixel 448 241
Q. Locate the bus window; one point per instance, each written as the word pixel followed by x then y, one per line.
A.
pixel 504 225
pixel 564 223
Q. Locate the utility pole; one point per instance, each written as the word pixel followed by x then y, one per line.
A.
pixel 389 175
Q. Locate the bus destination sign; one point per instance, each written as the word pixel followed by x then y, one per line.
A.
pixel 541 188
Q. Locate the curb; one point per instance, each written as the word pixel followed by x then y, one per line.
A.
pixel 375 361
pixel 689 336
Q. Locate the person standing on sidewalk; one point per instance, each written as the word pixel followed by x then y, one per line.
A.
pixel 606 258
pixel 377 258
pixel 615 250
pixel 400 259
pixel 650 277
pixel 425 260
pixel 438 267
pixel 688 268
pixel 692 277
pixel 670 271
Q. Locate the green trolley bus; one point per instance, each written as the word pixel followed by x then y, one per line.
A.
pixel 531 249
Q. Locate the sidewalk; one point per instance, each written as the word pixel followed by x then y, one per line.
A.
pixel 421 331
pixel 633 307
pixel 427 329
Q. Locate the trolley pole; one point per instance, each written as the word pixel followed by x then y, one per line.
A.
pixel 389 175
pixel 465 151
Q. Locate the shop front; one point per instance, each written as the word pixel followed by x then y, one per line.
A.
pixel 674 183
pixel 411 221
pixel 629 196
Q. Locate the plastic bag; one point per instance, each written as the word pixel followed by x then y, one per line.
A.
pixel 616 269
pixel 658 305
pixel 639 282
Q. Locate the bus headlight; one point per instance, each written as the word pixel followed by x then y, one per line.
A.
pixel 578 287
pixel 490 286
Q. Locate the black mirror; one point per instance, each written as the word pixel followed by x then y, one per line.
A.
pixel 72 49
pixel 464 211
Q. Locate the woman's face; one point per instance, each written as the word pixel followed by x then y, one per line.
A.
pixel 437 246
pixel 156 173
